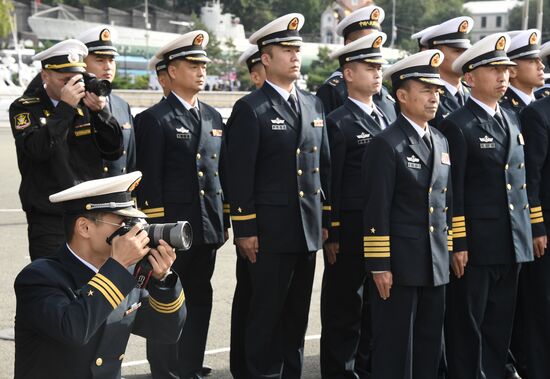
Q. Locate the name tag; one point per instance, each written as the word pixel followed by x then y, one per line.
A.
pixel 278 126
pixel 318 123
pixel 363 138
pixel 183 136
pixel 486 142
pixel 445 159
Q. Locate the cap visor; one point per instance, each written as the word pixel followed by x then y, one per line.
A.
pixel 535 55
pixel 198 58
pixel 76 69
pixel 290 43
pixel 375 60
pixel 129 212
pixel 434 81
pixel 458 45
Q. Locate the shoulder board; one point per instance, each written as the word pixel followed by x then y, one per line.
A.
pixel 29 100
pixel 333 82
pixel 390 98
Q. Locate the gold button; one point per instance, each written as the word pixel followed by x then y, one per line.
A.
pixel 506 166
pixel 105 169
pixel 201 174
pixel 98 362
pixel 511 206
pixel 431 229
pixel 198 156
pixel 124 152
pixel 123 169
pixel 526 206
pixel 214 156
pixel 316 170
pixel 121 357
pixel 508 186
pixel 445 209
pixel 431 209
pixel 430 190
pixel 524 186
pixel 314 148
pixel 298 151
pixel 300 172
pixel 444 189
pixel 216 173
pixel 301 193
pixel 202 192
pixel 521 165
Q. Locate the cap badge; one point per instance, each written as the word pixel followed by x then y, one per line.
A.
pixel 501 43
pixel 436 60
pixel 463 28
pixel 198 39
pixel 377 42
pixel 375 15
pixel 533 39
pixel 134 185
pixel 293 24
pixel 105 35
pixel 73 57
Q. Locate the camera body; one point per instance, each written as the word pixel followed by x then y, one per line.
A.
pixel 92 84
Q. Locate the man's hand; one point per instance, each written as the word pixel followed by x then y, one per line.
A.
pixel 93 102
pixel 73 91
pixel 129 248
pixel 539 245
pixel 458 263
pixel 248 246
pixel 161 259
pixel 331 250
pixel 325 234
pixel 383 281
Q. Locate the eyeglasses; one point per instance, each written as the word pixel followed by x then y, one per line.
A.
pixel 122 223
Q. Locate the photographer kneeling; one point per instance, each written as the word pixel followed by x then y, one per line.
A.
pixel 76 309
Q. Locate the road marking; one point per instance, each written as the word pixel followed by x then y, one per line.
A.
pixel 10 210
pixel 207 352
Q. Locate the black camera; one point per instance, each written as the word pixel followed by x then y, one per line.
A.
pixel 179 235
pixel 92 84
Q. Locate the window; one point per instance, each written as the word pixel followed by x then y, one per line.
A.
pixel 483 22
pixel 499 21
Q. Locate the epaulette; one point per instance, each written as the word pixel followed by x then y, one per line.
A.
pixel 515 103
pixel 334 82
pixel 390 98
pixel 29 100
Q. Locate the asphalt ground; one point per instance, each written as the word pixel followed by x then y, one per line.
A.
pixel 14 256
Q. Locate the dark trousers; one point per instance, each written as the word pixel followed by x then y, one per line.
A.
pixel 45 235
pixel 278 314
pixel 407 329
pixel 239 313
pixel 345 315
pixel 535 317
pixel 184 359
pixel 480 313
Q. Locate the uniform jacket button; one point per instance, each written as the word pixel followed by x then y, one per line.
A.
pixel 314 148
pixel 214 156
pixel 508 186
pixel 124 152
pixel 316 170
pixel 506 166
pixel 524 186
pixel 521 165
pixel 511 206
pixel 98 362
pixel 431 229
pixel 202 192
pixel 431 209
pixel 105 169
pixel 298 151
pixel 201 174
pixel 121 357
pixel 198 156
pixel 301 193
pixel 300 172
pixel 430 190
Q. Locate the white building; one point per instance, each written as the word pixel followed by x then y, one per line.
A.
pixel 333 14
pixel 490 16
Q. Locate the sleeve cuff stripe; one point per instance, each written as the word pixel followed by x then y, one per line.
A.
pixel 385 249
pixel 327 208
pixel 226 205
pixel 377 255
pixel 376 244
pixel 153 215
pixel 458 224
pixel 536 209
pixel 376 238
pixel 459 235
pixel 163 308
pixel 536 215
pixel 110 284
pixel 153 210
pixel 167 305
pixel 459 218
pixel 104 293
pixel 459 230
pixel 244 217
pixel 335 224
pixel 537 220
pixel 226 211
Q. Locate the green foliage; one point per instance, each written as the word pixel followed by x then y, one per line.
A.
pixel 320 69
pixel 516 18
pixel 127 82
pixel 6 8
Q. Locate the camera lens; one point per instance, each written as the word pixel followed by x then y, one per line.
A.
pixel 179 235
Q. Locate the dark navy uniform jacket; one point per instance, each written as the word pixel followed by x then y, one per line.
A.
pixel 543 91
pixel 350 129
pixel 279 167
pixel 512 101
pixel 407 206
pixel 58 147
pixel 334 92
pixel 72 323
pixel 182 163
pixel 448 103
pixel 536 128
pixel 127 162
pixel 491 210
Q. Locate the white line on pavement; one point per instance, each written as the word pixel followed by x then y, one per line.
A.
pixel 207 352
pixel 10 210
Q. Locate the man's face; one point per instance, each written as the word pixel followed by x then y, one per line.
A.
pixel 187 75
pixel 100 228
pixel 419 100
pixel 284 62
pixel 451 54
pixel 488 82
pixel 364 77
pixel 55 81
pixel 528 72
pixel 102 66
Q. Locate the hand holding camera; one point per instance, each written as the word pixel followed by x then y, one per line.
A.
pixel 161 259
pixel 130 247
pixel 93 102
pixel 73 91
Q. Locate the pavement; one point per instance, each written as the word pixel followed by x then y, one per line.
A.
pixel 14 256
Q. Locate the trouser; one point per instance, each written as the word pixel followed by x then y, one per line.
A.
pixel 45 233
pixel 184 359
pixel 480 313
pixel 407 332
pixel 278 314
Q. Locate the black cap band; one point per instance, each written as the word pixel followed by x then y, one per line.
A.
pixel 279 38
pixel 485 59
pixel 360 55
pixel 252 60
pixel 361 25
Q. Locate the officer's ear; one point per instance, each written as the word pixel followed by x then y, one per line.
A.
pixel 348 71
pixel 469 79
pixel 513 72
pixel 81 227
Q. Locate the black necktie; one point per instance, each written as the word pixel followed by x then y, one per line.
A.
pixel 500 122
pixel 427 141
pixel 194 111
pixel 376 118
pixel 460 98
pixel 294 103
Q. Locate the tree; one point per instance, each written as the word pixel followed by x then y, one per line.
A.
pixel 6 9
pixel 320 69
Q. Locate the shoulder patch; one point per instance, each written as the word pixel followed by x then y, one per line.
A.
pixel 22 120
